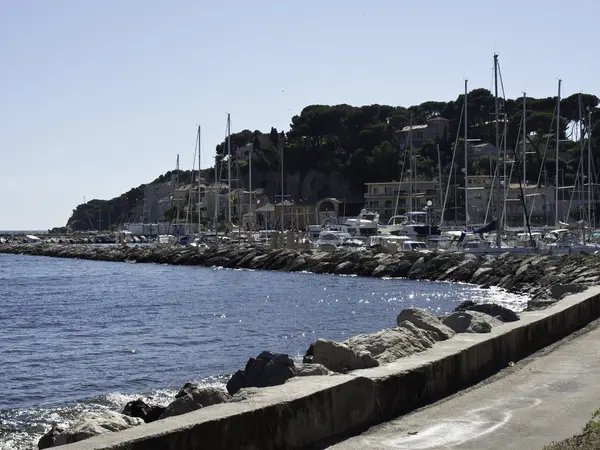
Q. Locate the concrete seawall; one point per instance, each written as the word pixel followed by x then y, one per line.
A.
pixel 308 412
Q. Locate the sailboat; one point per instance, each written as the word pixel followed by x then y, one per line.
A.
pixel 473 242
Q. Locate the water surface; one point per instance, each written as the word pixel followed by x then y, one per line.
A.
pixel 83 335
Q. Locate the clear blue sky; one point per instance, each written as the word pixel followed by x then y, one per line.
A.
pixel 99 96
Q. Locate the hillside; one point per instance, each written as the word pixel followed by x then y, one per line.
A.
pixel 334 150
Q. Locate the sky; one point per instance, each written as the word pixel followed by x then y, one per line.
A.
pixel 97 97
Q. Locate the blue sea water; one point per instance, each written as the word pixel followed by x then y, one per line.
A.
pixel 85 335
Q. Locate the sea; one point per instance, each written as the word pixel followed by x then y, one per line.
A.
pixel 79 336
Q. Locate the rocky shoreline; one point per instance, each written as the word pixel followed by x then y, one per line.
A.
pixel 544 278
pixel 416 330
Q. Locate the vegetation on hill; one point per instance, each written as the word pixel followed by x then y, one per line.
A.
pixel 361 144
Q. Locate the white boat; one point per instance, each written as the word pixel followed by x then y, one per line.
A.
pixel 413 224
pixel 166 239
pixel 388 242
pixel 314 231
pixel 415 246
pixel 366 224
pixel 330 240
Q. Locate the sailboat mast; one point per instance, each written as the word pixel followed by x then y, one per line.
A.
pixel 440 182
pixel 524 159
pixel 199 180
pixel 251 218
pixel 498 195
pixel 237 194
pixel 581 166
pixel 282 195
pixel 466 161
pixel 228 169
pixel 410 165
pixel 556 162
pixel 175 189
pixel 216 216
pixel 589 155
pixel 506 181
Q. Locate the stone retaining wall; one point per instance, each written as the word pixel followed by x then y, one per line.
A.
pixel 308 412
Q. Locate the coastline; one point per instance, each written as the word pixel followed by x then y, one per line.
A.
pixel 544 278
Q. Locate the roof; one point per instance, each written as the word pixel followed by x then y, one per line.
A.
pixel 290 203
pixel 330 199
pixel 414 127
pixel 266 208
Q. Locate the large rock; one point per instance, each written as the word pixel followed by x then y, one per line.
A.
pixel 470 322
pixel 390 344
pixel 308 369
pixel 426 321
pixel 139 408
pixel 418 334
pixel 92 424
pixel 492 309
pixel 48 439
pixel 192 397
pixel 560 291
pixel 340 357
pixel 268 369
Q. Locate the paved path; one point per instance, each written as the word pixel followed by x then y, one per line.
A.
pixel 547 397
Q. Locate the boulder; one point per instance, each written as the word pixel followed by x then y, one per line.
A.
pixel 345 268
pixel 400 269
pixel 340 357
pixel 307 370
pixel 426 321
pixel 90 425
pixel 192 397
pixel 419 333
pixel 470 322
pixel 268 369
pixel 390 344
pixel 492 309
pixel 560 291
pixel 139 408
pixel 48 439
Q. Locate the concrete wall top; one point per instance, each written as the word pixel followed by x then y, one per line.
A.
pixel 308 410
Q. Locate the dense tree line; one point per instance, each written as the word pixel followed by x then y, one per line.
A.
pixel 361 143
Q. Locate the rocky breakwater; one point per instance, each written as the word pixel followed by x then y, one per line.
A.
pixel 545 278
pixel 71 239
pixel 416 331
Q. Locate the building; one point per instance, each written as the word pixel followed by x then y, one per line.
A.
pixel 481 201
pixel 436 127
pixel 393 198
pixel 263 217
pixel 296 216
pixel 211 194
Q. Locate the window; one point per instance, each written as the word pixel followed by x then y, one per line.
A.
pixel 375 191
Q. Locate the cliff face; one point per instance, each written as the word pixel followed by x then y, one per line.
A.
pixel 146 199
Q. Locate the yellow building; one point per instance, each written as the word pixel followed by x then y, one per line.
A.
pixel 392 197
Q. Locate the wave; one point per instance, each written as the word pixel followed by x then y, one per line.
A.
pixel 20 429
